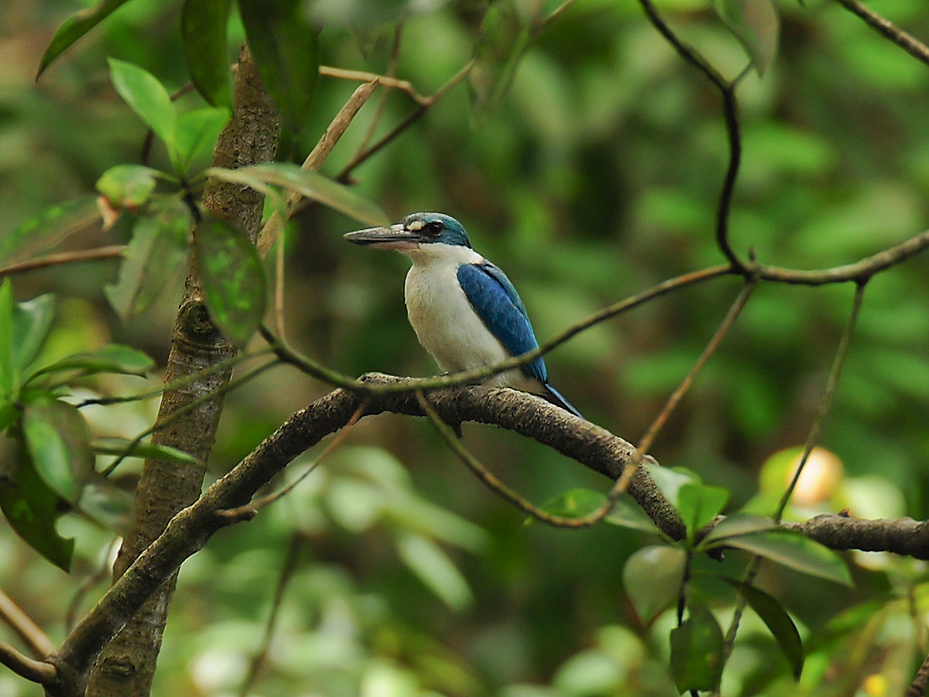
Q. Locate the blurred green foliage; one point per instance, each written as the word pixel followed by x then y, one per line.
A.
pixel 596 177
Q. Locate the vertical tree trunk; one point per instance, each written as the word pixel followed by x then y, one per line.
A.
pixel 127 666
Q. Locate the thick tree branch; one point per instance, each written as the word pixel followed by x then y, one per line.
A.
pixel 840 531
pixel 189 530
pixel 918 687
pixel 526 414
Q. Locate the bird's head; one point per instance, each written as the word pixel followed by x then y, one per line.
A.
pixel 415 231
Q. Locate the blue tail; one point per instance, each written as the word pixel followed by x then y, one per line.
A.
pixel 556 398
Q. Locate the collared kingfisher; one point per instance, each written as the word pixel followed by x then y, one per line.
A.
pixel 463 308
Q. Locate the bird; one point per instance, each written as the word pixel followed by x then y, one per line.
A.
pixel 463 308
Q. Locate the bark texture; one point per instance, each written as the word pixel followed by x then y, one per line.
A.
pixel 127 665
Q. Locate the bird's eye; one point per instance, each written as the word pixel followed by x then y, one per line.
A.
pixel 434 228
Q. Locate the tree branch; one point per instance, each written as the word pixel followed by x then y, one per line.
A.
pixel 917 688
pixel 189 530
pixel 532 416
pixel 857 272
pixel 888 30
pixel 60 258
pixel 41 672
pixel 27 630
pixel 840 531
pixel 127 667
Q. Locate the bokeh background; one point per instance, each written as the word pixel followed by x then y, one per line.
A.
pixel 595 179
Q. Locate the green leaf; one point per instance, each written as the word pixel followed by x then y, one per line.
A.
pixel 32 508
pixel 157 251
pixel 58 445
pixel 9 414
pixel 204 25
pixel 24 327
pixel 756 25
pixel 107 504
pixel 148 98
pixel 198 130
pixel 652 577
pixel 775 617
pixel 48 228
pixel 233 278
pixel 150 451
pixel 128 186
pixel 506 34
pixel 575 503
pixel 74 27
pixel 9 383
pixel 627 514
pixel 434 568
pixel 112 358
pixel 32 321
pixel 735 525
pixel 699 504
pixel 669 480
pixel 284 45
pixel 306 183
pixel 796 552
pixel 697 650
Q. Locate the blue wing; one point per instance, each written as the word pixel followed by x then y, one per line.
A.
pixel 497 303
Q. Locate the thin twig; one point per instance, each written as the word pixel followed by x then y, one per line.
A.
pixel 175 384
pixel 289 355
pixel 496 485
pixel 334 132
pixel 36 671
pixel 99 577
pixel 857 272
pixel 825 405
pixel 825 402
pixel 491 480
pixel 730 111
pixel 406 123
pixel 77 256
pixel 250 509
pixel 181 411
pixel 556 13
pixel 382 102
pixel 287 572
pixel 32 635
pixel 385 80
pixel 674 399
pixel 888 30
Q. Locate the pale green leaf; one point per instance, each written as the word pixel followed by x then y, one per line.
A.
pixel 233 278
pixel 697 650
pixel 775 617
pixel 49 228
pixel 756 25
pixel 58 444
pixel 204 33
pixel 795 552
pixel 652 577
pixel 148 98
pixel 434 568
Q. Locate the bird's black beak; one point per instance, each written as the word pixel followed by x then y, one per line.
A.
pixel 393 237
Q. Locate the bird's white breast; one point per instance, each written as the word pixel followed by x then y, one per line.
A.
pixel 442 316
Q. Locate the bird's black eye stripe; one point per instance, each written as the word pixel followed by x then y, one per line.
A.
pixel 434 228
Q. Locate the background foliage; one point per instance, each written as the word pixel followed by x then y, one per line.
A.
pixel 596 177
